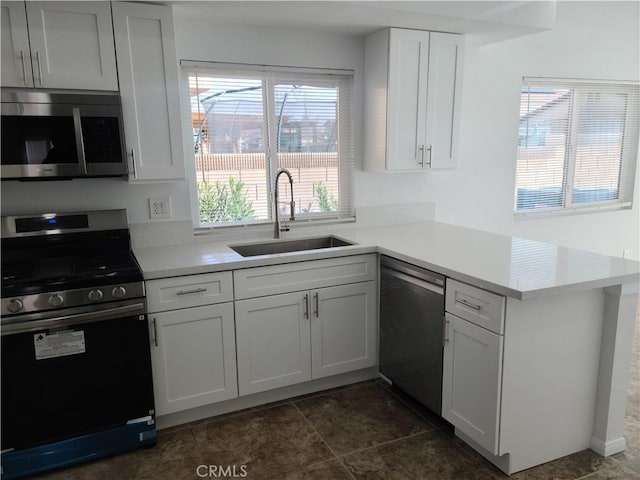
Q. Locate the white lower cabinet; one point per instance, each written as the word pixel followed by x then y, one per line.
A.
pixel 471 384
pixel 193 357
pixel 343 329
pixel 273 342
pixel 521 377
pixel 218 335
pixel 293 337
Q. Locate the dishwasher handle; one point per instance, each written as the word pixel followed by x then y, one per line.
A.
pixel 413 280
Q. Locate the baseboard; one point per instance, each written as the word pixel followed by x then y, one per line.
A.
pixel 503 462
pixel 257 399
pixel 608 448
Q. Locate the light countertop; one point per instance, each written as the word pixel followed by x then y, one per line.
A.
pixel 511 266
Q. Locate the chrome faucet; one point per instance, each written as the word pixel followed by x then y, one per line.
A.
pixel 276 226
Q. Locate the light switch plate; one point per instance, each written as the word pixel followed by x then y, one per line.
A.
pixel 160 207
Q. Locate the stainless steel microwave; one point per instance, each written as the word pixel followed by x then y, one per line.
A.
pixel 48 135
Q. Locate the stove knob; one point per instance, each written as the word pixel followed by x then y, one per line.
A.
pixel 95 295
pixel 119 292
pixel 14 305
pixel 56 300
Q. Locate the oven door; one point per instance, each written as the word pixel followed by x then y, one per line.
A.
pixel 74 374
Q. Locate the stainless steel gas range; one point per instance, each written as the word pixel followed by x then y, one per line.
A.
pixel 76 369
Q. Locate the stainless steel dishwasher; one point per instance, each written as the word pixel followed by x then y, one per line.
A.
pixel 411 330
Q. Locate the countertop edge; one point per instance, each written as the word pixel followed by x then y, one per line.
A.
pixel 294 257
pixel 195 258
pixel 260 261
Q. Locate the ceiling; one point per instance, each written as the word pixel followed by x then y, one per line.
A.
pixel 488 20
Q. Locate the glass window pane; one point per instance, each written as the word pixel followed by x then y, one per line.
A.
pixel 307 145
pixel 230 147
pixel 599 147
pixel 544 128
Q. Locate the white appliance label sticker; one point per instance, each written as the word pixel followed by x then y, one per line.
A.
pixel 58 344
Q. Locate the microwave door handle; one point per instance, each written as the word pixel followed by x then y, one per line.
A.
pixel 79 140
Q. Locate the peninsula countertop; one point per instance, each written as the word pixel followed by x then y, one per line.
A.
pixel 508 265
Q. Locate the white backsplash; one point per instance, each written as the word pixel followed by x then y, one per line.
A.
pixel 158 234
pixel 395 214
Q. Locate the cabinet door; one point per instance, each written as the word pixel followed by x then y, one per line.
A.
pixel 72 45
pixel 148 70
pixel 407 101
pixel 273 342
pixel 194 357
pixel 16 60
pixel 443 102
pixel 343 329
pixel 471 383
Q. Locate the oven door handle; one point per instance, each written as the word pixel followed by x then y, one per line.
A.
pixel 75 319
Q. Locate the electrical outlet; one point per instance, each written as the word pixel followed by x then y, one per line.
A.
pixel 160 207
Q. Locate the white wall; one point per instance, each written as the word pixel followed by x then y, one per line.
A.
pixel 591 40
pixel 595 40
pixel 19 198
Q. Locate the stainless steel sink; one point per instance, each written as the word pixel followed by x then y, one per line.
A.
pixel 269 248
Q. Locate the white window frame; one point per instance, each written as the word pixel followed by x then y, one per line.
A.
pixel 269 75
pixel 629 155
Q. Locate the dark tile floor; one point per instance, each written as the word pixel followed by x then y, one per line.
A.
pixel 363 431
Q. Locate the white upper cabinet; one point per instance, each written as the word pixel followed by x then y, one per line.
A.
pixel 412 100
pixel 148 70
pixel 66 45
pixel 16 55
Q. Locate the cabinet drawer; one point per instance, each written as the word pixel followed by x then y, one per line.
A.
pixel 291 277
pixel 480 307
pixel 189 291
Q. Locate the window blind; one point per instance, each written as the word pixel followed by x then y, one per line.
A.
pixel 249 123
pixel 577 145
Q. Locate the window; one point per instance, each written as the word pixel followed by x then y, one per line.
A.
pixel 250 122
pixel 577 146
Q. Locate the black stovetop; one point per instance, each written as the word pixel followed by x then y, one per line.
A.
pixel 47 263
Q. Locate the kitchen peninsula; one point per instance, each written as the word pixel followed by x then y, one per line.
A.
pixel 562 349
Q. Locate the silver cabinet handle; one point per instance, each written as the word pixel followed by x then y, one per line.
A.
pixel 470 305
pixel 24 68
pixel 188 292
pixel 444 336
pixel 430 149
pixel 306 305
pixel 421 150
pixel 317 310
pixel 133 163
pixel 155 332
pixel 39 67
